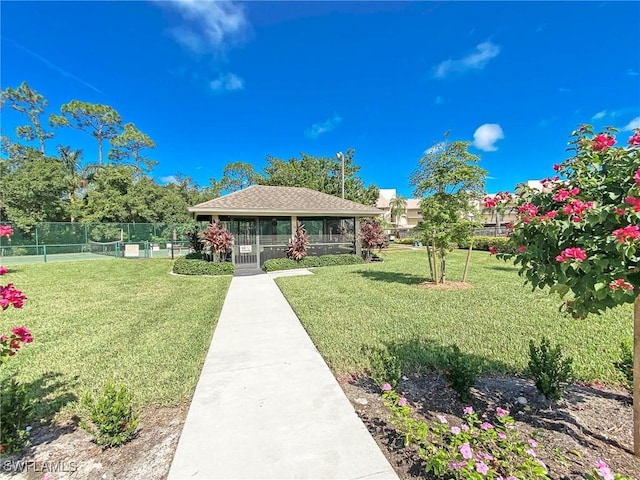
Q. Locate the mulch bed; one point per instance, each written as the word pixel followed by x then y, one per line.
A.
pixel 590 423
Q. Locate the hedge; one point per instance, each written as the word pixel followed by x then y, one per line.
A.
pixel 484 242
pixel 196 256
pixel 188 266
pixel 405 241
pixel 311 261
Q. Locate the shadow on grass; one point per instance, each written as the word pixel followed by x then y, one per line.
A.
pixel 391 277
pixel 49 393
pixel 503 268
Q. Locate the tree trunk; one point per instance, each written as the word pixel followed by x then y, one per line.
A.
pixel 430 262
pixel 435 262
pixel 443 266
pixel 99 151
pixel 636 376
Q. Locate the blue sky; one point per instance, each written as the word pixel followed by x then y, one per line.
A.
pixel 214 83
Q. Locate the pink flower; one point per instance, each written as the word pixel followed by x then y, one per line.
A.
pixel 563 194
pixel 10 295
pixel 386 387
pixel 493 250
pixel 603 141
pixel 604 471
pixel 557 167
pixel 502 435
pixel 489 202
pixel 532 442
pixel 501 412
pixel 465 450
pixel 457 465
pixel 482 468
pixel 636 177
pixel 635 138
pixel 531 452
pixel 486 426
pixel 23 334
pixel 576 253
pixel 620 284
pixel 464 427
pixel 528 210
pixel 620 211
pixel 549 215
pixel 629 233
pixel 3 270
pixel 402 402
pixel 455 430
pixel 6 231
pixel 442 419
pixel 467 410
pixel 635 202
pixel 522 249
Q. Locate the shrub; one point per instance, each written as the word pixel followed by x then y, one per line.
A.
pixel 625 363
pixel 311 261
pixel 218 240
pixel 185 266
pixel 461 372
pixel 550 370
pixel 196 256
pixel 113 420
pixel 484 243
pixel 15 413
pixel 475 449
pixel 405 241
pixel 384 366
pixel 298 244
pixel 372 237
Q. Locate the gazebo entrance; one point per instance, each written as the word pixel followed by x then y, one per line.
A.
pixel 246 246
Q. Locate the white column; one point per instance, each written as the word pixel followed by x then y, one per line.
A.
pixel 294 221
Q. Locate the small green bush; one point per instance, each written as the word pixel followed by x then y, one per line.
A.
pixel 196 256
pixel 484 242
pixel 551 371
pixel 113 420
pixel 625 363
pixel 461 372
pixel 311 261
pixel 186 266
pixel 384 366
pixel 15 413
pixel 405 241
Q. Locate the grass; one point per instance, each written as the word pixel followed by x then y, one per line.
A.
pixel 347 308
pixel 122 320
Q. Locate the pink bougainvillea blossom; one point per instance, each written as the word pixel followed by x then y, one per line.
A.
pixel 620 211
pixel 634 202
pixel 10 295
pixel 528 210
pixel 602 141
pixel 493 250
pixel 522 249
pixel 620 284
pixel 635 138
pixel 575 253
pixel 6 231
pixel 625 234
pixel 3 270
pixel 23 334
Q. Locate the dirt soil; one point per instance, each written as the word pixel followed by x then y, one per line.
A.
pixel 446 285
pixel 66 452
pixel 590 423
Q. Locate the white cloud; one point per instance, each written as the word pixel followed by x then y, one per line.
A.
pixel 476 60
pixel 486 136
pixel 599 115
pixel 319 128
pixel 227 82
pixel 438 147
pixel 208 25
pixel 169 179
pixel 632 72
pixel 633 124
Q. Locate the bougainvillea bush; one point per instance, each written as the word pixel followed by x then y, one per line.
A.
pixel 582 232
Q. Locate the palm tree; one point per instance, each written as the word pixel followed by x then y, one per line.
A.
pixel 398 206
pixel 77 177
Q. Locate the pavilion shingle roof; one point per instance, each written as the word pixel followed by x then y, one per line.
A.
pixel 290 200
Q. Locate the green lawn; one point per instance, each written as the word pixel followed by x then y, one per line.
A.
pixel 346 308
pixel 126 320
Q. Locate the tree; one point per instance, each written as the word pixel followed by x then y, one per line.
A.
pixel 449 179
pixel 372 237
pixel 76 177
pixel 237 175
pixel 100 121
pixel 128 145
pixel 581 234
pixel 30 103
pixel 398 206
pixel 32 189
pixel 106 200
pixel 322 174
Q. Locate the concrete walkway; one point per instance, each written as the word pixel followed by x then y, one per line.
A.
pixel 266 405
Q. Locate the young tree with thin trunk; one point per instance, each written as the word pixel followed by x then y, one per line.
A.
pixel 449 179
pixel 128 146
